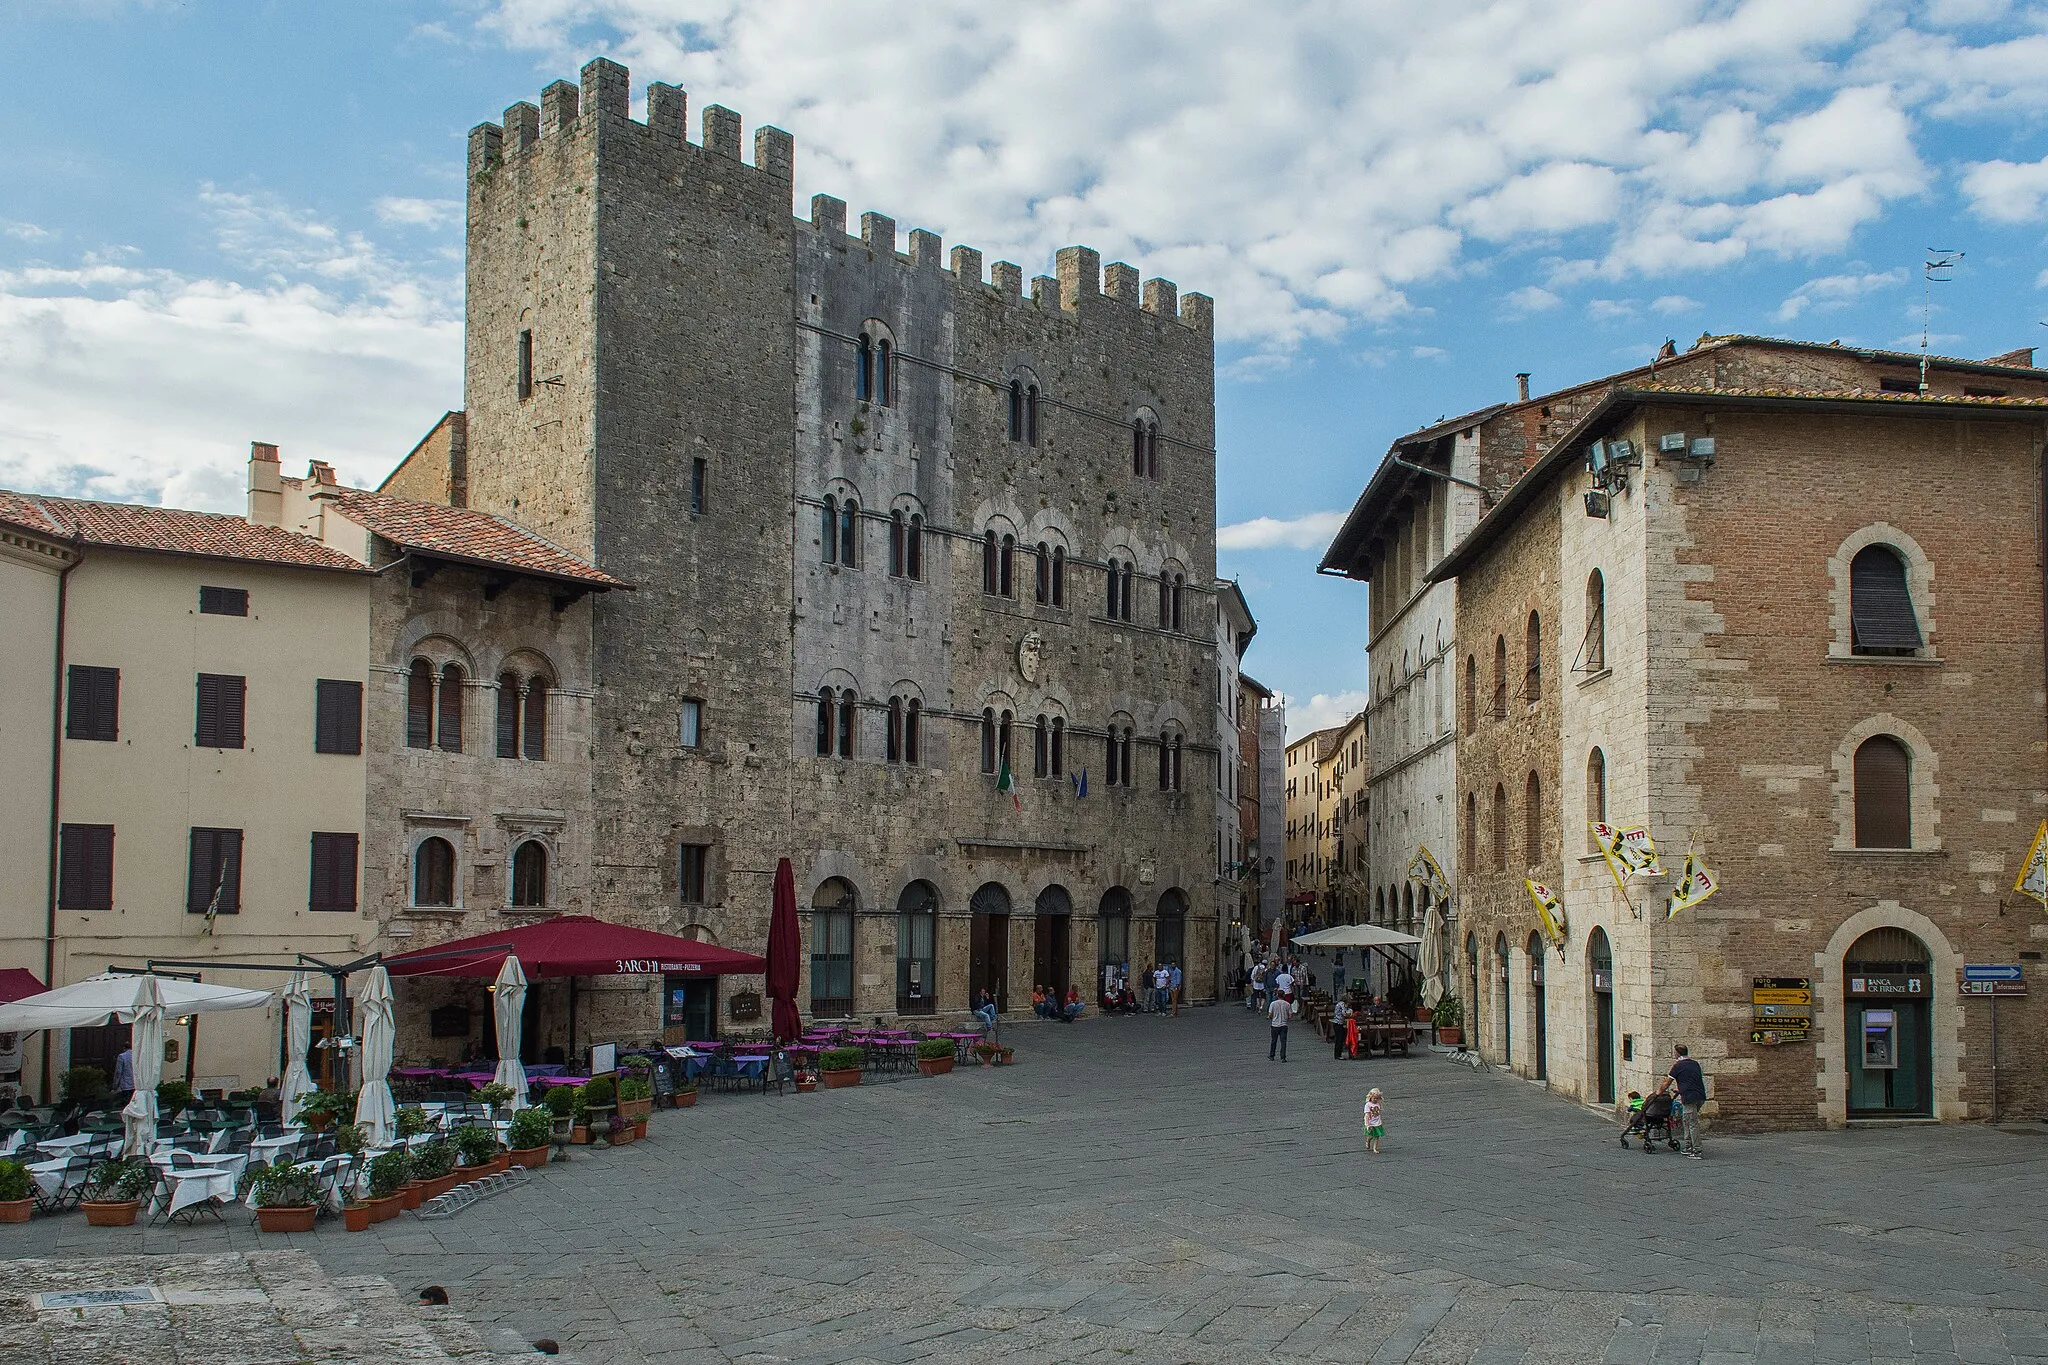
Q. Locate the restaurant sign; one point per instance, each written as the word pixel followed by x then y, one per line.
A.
pixel 632 966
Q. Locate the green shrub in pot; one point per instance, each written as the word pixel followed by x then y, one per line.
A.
pixel 433 1159
pixel 477 1143
pixel 598 1092
pixel 842 1059
pixel 530 1128
pixel 15 1182
pixel 933 1049
pixel 635 1088
pixel 389 1171
pixel 286 1185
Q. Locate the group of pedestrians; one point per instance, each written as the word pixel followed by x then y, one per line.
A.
pixel 1155 990
pixel 1046 1003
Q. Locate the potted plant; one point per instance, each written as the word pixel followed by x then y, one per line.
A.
pixel 433 1167
pixel 355 1215
pixel 528 1137
pixel 17 1192
pixel 325 1107
pixel 414 1121
pixel 287 1197
pixel 594 1101
pixel 985 1052
pixel 636 1096
pixel 479 1148
pixel 806 1082
pixel 1005 1054
pixel 560 1102
pixel 619 1130
pixel 82 1087
pixel 388 1173
pixel 173 1097
pixel 840 1066
pixel 496 1096
pixel 684 1096
pixel 935 1057
pixel 1449 1018
pixel 113 1191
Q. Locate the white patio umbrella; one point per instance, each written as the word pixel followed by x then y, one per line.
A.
pixel 374 1109
pixel 110 998
pixel 1432 958
pixel 298 1036
pixel 146 1042
pixel 508 1002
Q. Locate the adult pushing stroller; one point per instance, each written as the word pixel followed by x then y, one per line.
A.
pixel 1653 1123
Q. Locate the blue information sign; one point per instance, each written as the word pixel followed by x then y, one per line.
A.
pixel 1982 972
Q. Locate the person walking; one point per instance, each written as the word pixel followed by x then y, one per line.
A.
pixel 1256 1000
pixel 1691 1082
pixel 1375 1121
pixel 1173 980
pixel 1279 1012
pixel 1284 982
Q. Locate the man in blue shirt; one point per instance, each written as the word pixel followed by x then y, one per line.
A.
pixel 1685 1073
pixel 1173 980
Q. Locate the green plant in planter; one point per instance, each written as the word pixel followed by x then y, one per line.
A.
pixel 530 1128
pixel 82 1085
pixel 598 1092
pixel 337 1106
pixel 1448 1013
pixel 389 1172
pixel 560 1100
pixel 172 1096
pixel 932 1049
pixel 842 1059
pixel 413 1121
pixel 477 1143
pixel 15 1182
pixel 635 1088
pixel 117 1181
pixel 639 1066
pixel 287 1185
pixel 433 1159
pixel 495 1095
pixel 352 1138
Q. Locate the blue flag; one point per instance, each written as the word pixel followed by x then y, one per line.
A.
pixel 1081 783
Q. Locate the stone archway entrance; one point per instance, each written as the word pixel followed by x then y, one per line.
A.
pixel 1888 1025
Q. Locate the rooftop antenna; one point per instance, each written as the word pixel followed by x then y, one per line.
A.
pixel 1939 267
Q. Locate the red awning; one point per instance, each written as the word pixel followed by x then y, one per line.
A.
pixel 1302 898
pixel 18 983
pixel 574 945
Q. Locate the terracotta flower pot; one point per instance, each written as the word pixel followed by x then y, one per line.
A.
pixel 1450 1033
pixel 805 1085
pixel 16 1210
pixel 686 1100
pixel 112 1213
pixel 635 1109
pixel 580 1135
pixel 934 1066
pixel 1006 1056
pixel 355 1217
pixel 313 1123
pixel 390 1206
pixel 532 1158
pixel 639 1130
pixel 413 1193
pixel 465 1174
pixel 299 1219
pixel 839 1080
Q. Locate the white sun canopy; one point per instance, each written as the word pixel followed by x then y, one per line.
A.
pixel 1356 936
pixel 114 998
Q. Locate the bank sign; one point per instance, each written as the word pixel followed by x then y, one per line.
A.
pixel 1891 984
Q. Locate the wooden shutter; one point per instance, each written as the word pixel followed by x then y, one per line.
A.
pixel 450 726
pixel 537 719
pixel 199 872
pixel 92 708
pixel 508 716
pixel 334 872
pixel 216 859
pixel 71 857
pixel 1884 794
pixel 338 719
pixel 419 706
pixel 1881 619
pixel 222 701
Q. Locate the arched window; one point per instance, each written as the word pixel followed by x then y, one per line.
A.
pixel 1016 409
pixel 508 716
pixel 1532 675
pixel 1059 747
pixel 1881 617
pixel 1595 649
pixel 914 548
pixel 1041 747
pixel 847 721
pixel 832 910
pixel 536 728
pixel 1500 827
pixel 1113 922
pixel 896 547
pixel 1130 573
pixel 828 720
pixel 1006 563
pixel 1471 694
pixel 1123 757
pixel 1408 907
pixel 1165 600
pixel 849 534
pixel 1596 797
pixel 449 731
pixel 885 372
pixel 1152 450
pixel 913 731
pixel 1114 580
pixel 917 923
pixel 1165 764
pixel 863 368
pixel 1109 759
pixel 1042 575
pixel 1884 794
pixel 530 874
pixel 1003 750
pixel 419 706
pixel 1472 831
pixel 1031 414
pixel 988 739
pixel 829 531
pixel 892 747
pixel 433 872
pixel 1180 584
pixel 1379 906
pixel 1138 447
pixel 1532 820
pixel 1500 677
pixel 1059 576
pixel 989 578
pixel 1169 940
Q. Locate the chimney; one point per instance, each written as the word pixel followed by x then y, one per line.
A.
pixel 320 472
pixel 266 485
pixel 1669 350
pixel 1522 387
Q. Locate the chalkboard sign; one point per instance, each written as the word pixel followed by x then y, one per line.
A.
pixel 746 1005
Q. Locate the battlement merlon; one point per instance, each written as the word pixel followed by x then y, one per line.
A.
pixel 605 96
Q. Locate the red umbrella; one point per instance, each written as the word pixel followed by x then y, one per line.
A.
pixel 785 955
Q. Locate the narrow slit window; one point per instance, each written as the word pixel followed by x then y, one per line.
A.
pixel 525 364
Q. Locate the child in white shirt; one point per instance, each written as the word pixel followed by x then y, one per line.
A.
pixel 1375 1121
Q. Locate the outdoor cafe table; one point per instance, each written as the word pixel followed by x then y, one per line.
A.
pixel 961 1043
pixel 57 1174
pixel 208 1177
pixel 266 1151
pixel 543 1082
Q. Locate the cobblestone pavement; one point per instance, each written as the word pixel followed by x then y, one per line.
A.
pixel 1155 1190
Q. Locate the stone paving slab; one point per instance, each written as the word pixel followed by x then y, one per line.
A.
pixel 1154 1190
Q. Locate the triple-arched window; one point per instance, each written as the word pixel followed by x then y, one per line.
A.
pixel 838 722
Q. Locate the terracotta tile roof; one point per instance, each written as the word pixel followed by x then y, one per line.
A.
pixel 168 530
pixel 470 536
pixel 1953 400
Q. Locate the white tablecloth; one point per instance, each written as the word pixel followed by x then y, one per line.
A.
pixel 265 1151
pixel 52 1176
pixel 191 1185
pixel 80 1140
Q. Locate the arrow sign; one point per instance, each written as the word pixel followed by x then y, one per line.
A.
pixel 1991 973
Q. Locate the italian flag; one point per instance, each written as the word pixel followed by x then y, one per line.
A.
pixel 1007 783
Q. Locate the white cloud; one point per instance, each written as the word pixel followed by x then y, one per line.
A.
pixel 2008 192
pixel 1669 304
pixel 427 213
pixel 25 232
pixel 1531 298
pixel 1830 292
pixel 1310 532
pixel 1611 310
pixel 1429 353
pixel 1322 711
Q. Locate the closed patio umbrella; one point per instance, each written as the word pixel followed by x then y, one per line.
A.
pixel 374 1109
pixel 298 1036
pixel 146 1042
pixel 1432 958
pixel 785 956
pixel 508 1003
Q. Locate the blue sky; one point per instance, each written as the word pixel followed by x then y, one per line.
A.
pixel 232 221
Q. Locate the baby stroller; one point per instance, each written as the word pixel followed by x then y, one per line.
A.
pixel 1653 1123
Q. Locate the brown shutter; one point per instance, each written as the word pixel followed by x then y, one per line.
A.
pixel 206 730
pixel 508 716
pixel 334 872
pixel 1881 619
pixel 450 726
pixel 1884 794
pixel 231 871
pixel 71 855
pixel 419 706
pixel 199 872
pixel 537 719
pixel 221 711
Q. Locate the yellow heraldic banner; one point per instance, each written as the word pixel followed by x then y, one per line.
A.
pixel 1630 852
pixel 2034 871
pixel 1550 910
pixel 1695 884
pixel 1426 870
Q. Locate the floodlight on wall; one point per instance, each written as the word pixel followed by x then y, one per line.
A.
pixel 1671 443
pixel 1596 459
pixel 1598 504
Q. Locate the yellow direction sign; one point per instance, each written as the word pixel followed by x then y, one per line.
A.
pixel 1773 996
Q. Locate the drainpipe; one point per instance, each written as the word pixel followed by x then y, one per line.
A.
pixel 56 793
